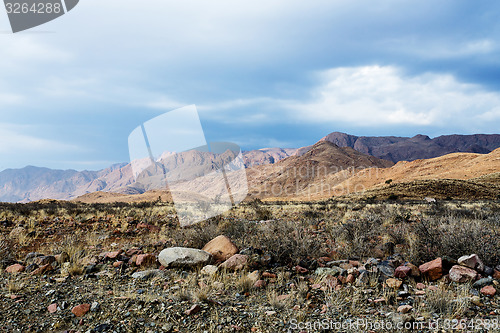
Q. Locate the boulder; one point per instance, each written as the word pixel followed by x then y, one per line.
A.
pixel 462 274
pixel 221 248
pixel 433 270
pixel 183 257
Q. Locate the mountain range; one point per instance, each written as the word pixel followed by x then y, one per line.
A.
pixel 334 155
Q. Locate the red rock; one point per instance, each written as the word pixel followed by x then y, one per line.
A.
pixel 112 255
pixel 221 248
pixel 420 286
pixel 331 281
pixel 42 270
pixel 354 263
pixel 131 252
pixel 16 268
pixel 236 262
pixel 393 283
pixel 415 272
pixel 117 263
pixel 402 272
pixel 269 275
pixel 342 279
pixel 325 259
pixel 488 291
pixel 471 261
pixel 282 297
pixel 316 286
pixel 433 288
pixel 420 292
pixel 301 270
pixel 405 308
pixel 462 274
pixel 350 279
pixel 52 308
pixel 496 274
pixel 145 259
pixel 433 270
pixel 194 310
pixel 148 226
pixel 133 260
pixel 259 284
pixel 80 310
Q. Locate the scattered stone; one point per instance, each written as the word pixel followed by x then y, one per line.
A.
pixel 145 259
pixel 117 264
pixel 94 307
pixel 183 257
pixel 301 270
pixel 433 270
pixel 209 270
pixel 496 274
pixel 80 310
pixel 333 271
pixel 260 284
pixel 268 275
pixel 270 313
pixel 386 268
pixel 193 310
pixel 16 268
pixel 482 283
pixel 350 279
pixel 221 248
pixel 236 262
pixel 420 286
pixel 148 274
pixel 393 283
pixel 462 274
pixel 52 308
pixel 41 270
pixel 402 272
pixel 471 261
pixel 488 291
pixel 476 300
pixel 415 271
pixel 405 308
pixel 254 276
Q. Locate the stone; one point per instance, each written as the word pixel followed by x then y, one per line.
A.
pixel 80 310
pixel 236 262
pixel 462 274
pixel 259 284
pixel 433 270
pixel 112 255
pixel 300 269
pixel 405 308
pixel 482 283
pixel 393 283
pixel 350 279
pixel 268 275
pixel 183 257
pixel 52 308
pixel 402 272
pixel 333 271
pixel 41 270
pixel 415 272
pixel 254 276
pixel 147 259
pixel 148 274
pixel 363 279
pixel 193 310
pixel 209 270
pixel 94 307
pixel 16 268
pixel 386 268
pixel 496 274
pixel 117 264
pixel 420 286
pixel 488 291
pixel 471 261
pixel 221 248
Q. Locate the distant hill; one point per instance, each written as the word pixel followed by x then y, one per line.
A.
pixel 397 149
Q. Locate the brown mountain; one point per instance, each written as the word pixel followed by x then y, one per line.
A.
pixel 418 147
pixel 298 176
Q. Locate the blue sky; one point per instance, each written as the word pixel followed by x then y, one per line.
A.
pixel 262 74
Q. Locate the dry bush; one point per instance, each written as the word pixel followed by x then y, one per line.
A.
pixel 448 302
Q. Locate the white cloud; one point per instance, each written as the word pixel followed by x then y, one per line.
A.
pixel 14 141
pixel 381 96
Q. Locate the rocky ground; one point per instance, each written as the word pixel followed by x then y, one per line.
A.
pixel 98 270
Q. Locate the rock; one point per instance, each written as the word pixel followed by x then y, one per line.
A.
pixel 112 255
pixel 420 286
pixel 488 271
pixel 402 272
pixel 386 268
pixel 350 279
pixel 41 261
pixel 16 232
pixel 482 283
pixel 209 270
pixel 193 310
pixel 259 284
pixel 333 271
pixel 221 248
pixel 145 260
pixel 52 308
pixel 32 256
pixel 94 307
pixel 300 269
pixel 433 270
pixel 393 283
pixel 270 313
pixel 16 268
pixel 268 275
pixel 415 272
pixel 363 279
pixel 117 264
pixel 236 262
pixel 488 291
pixel 148 274
pixel 183 257
pixel 405 308
pixel 41 270
pixel 496 274
pixel 80 310
pixel 471 261
pixel 462 274
pixel 476 300
pixel 254 276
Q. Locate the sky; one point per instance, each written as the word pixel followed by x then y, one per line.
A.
pixel 274 73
